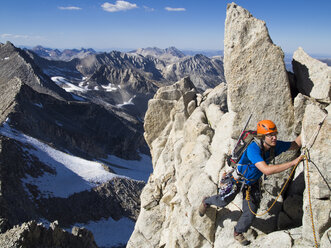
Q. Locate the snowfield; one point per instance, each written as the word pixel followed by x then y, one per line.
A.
pixel 72 88
pixel 75 174
pixel 67 85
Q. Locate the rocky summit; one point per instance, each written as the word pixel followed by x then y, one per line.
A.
pixel 189 135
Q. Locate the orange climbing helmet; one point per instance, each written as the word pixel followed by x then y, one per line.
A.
pixel 265 127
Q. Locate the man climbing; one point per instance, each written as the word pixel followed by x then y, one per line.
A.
pixel 252 165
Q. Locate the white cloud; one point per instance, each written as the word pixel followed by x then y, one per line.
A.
pixel 174 9
pixel 148 9
pixel 20 36
pixel 70 8
pixel 118 6
pixel 14 36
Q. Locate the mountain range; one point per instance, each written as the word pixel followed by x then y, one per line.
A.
pixel 129 79
pixel 65 55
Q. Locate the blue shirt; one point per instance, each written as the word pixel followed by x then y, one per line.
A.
pixel 253 155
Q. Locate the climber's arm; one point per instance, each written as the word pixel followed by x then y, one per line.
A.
pixel 272 169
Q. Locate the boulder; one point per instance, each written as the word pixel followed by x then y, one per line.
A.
pixel 279 239
pixel 313 77
pixel 158 114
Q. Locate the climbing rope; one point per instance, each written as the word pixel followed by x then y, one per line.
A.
pixel 237 206
pixel 309 198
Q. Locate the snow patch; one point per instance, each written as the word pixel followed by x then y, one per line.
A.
pixel 59 123
pixel 78 98
pixel 110 87
pixel 108 232
pixel 66 85
pixel 135 169
pixel 127 103
pixel 73 174
pixel 39 105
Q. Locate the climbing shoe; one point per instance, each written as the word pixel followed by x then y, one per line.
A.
pixel 203 208
pixel 241 238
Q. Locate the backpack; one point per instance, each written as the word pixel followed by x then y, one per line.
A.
pixel 246 137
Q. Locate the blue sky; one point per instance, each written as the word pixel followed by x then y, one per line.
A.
pixel 185 24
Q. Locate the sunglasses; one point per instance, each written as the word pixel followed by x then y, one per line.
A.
pixel 269 135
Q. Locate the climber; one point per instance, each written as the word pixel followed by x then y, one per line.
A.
pixel 252 165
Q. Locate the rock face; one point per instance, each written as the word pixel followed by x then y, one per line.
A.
pixel 258 84
pixel 255 71
pixel 314 76
pixel 16 64
pixel 320 174
pixel 189 135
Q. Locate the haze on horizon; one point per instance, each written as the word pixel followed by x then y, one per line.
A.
pixel 184 24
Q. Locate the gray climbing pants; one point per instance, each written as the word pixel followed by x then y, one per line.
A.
pixel 247 217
